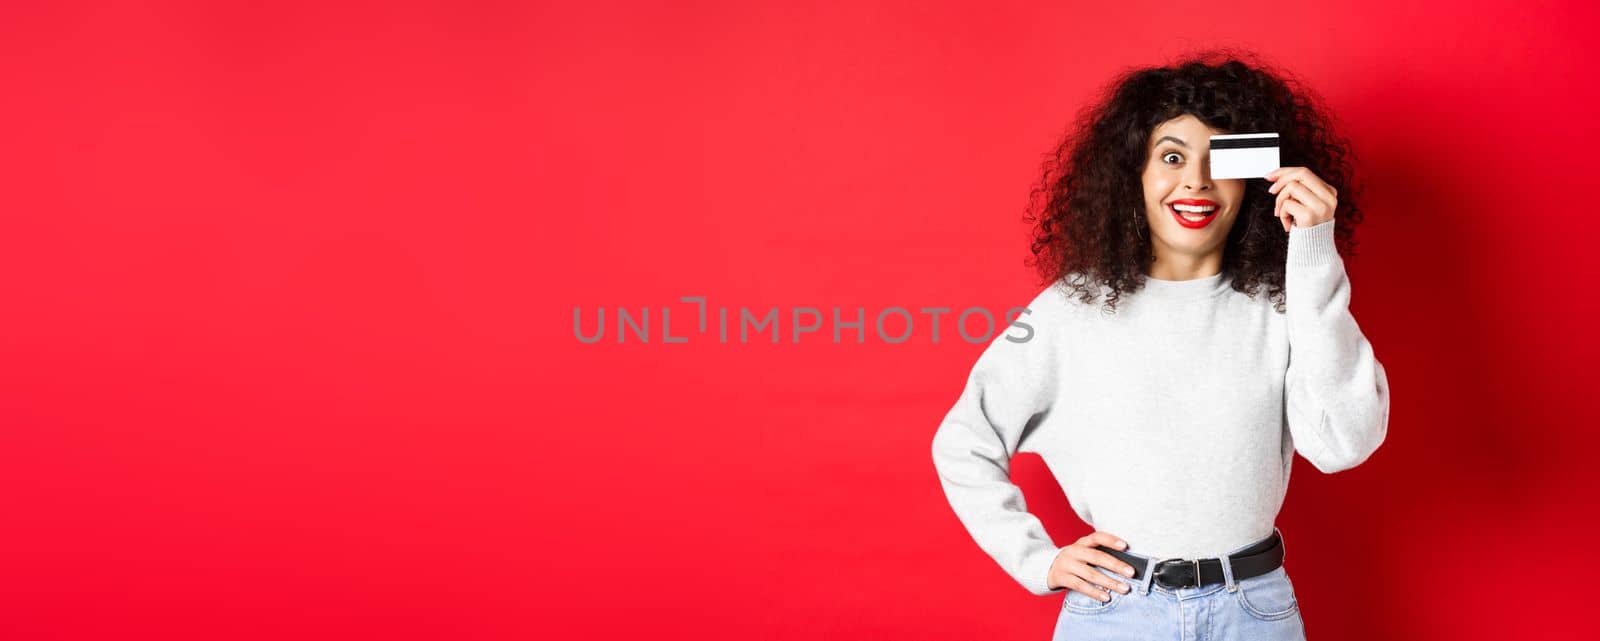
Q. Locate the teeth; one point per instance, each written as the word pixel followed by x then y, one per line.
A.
pixel 1199 209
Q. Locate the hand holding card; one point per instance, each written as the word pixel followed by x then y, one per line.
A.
pixel 1303 197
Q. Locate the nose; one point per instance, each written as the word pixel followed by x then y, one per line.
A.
pixel 1198 178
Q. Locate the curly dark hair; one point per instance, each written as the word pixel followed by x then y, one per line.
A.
pixel 1084 234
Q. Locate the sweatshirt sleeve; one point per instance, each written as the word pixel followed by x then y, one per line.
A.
pixel 1336 394
pixel 1010 389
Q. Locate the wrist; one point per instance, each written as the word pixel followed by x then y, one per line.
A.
pixel 1312 246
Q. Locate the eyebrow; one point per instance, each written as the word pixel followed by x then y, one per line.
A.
pixel 1180 142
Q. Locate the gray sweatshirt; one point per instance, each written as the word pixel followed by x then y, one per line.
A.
pixel 1171 423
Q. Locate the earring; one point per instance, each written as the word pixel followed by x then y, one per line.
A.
pixel 1138 228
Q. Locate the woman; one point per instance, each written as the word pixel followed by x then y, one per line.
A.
pixel 1194 336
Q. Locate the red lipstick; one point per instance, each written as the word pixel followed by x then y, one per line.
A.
pixel 1191 203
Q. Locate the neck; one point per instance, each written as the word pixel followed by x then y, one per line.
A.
pixel 1170 266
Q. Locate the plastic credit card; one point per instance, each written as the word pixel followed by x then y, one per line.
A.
pixel 1243 155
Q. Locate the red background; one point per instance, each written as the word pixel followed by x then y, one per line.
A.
pixel 288 294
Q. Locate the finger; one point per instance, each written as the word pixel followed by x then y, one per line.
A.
pixel 1277 177
pixel 1272 176
pixel 1288 173
pixel 1089 589
pixel 1302 215
pixel 1098 584
pixel 1300 192
pixel 1086 563
pixel 1100 579
pixel 1277 173
pixel 1106 561
pixel 1319 191
pixel 1295 190
pixel 1320 187
pixel 1108 540
pixel 1307 180
pixel 1310 179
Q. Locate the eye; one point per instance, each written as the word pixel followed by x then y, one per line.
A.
pixel 1171 157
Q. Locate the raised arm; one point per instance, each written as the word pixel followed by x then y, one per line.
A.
pixel 1336 394
pixel 1009 391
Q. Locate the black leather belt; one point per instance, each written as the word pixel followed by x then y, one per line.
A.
pixel 1173 574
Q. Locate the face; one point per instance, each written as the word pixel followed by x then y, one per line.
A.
pixel 1188 212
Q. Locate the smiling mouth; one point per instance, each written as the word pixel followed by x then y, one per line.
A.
pixel 1193 213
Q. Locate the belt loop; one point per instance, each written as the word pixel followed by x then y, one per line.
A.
pixel 1280 542
pixel 1227 573
pixel 1149 576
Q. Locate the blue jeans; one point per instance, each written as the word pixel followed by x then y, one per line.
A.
pixel 1261 608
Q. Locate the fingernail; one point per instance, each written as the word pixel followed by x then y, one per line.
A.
pixel 1128 572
